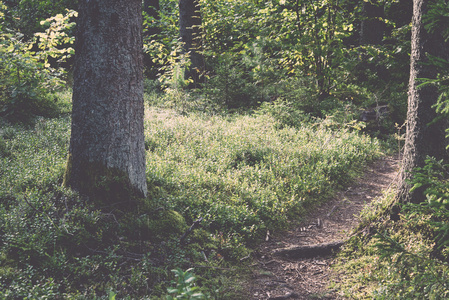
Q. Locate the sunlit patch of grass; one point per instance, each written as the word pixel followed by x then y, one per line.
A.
pixel 245 174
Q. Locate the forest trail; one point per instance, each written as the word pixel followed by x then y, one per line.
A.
pixel 276 277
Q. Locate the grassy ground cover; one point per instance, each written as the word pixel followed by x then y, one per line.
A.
pixel 404 258
pixel 243 174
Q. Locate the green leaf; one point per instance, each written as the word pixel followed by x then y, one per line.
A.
pixel 112 295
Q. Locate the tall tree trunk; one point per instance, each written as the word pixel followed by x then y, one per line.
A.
pixel 400 12
pixel 372 30
pixel 189 28
pixel 107 155
pixel 424 137
pixel 372 27
pixel 151 7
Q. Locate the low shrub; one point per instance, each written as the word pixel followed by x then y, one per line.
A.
pixel 28 82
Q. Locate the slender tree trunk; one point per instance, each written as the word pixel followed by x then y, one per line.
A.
pixel 107 155
pixel 189 28
pixel 424 136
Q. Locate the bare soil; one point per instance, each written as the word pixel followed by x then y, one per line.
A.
pixel 277 277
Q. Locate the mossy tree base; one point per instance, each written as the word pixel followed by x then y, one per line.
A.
pixel 105 186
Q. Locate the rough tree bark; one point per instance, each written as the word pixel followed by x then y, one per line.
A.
pixel 107 156
pixel 424 137
pixel 189 28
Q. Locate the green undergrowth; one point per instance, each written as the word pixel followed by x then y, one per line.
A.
pixel 406 258
pixel 236 176
pixel 245 175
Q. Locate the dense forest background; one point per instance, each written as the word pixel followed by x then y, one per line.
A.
pixel 321 56
pixel 255 111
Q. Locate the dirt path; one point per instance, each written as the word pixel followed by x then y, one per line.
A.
pixel 276 277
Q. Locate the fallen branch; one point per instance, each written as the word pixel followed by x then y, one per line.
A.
pixel 332 210
pixel 286 296
pixel 194 225
pixel 310 251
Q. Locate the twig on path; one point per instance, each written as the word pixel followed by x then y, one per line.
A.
pixel 309 251
pixel 286 296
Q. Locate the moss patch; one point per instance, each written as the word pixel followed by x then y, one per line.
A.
pixel 159 225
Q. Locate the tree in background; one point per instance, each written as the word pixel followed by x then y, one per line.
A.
pixel 189 28
pixel 151 8
pixel 372 27
pixel 425 134
pixel 107 156
pixel 151 17
pixel 400 12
